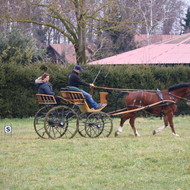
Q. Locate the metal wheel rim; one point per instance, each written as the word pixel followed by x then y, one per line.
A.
pixel 82 122
pixel 95 125
pixel 108 126
pixel 61 121
pixel 39 122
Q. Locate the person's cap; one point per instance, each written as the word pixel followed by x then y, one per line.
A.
pixel 78 67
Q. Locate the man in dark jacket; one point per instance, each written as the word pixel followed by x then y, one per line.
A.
pixel 74 82
pixel 44 87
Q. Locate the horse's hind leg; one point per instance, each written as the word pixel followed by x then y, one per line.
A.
pixel 122 121
pixel 130 116
pixel 163 127
pixel 132 123
pixel 170 119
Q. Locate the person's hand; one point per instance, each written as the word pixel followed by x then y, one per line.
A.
pixel 91 85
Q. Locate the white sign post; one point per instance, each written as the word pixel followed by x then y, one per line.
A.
pixel 8 128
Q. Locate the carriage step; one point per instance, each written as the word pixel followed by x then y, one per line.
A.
pixel 100 106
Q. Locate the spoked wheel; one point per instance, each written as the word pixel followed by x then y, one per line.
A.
pixel 82 122
pixel 98 124
pixel 39 121
pixel 61 121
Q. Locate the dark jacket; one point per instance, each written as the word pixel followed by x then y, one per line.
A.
pixel 74 80
pixel 45 88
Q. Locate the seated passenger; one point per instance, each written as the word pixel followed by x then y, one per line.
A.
pixel 44 87
pixel 74 82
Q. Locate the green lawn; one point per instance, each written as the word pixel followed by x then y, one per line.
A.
pixel 160 162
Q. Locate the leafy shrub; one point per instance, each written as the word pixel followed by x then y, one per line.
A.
pixel 20 48
pixel 17 88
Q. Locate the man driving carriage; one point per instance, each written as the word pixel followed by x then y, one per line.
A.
pixel 74 82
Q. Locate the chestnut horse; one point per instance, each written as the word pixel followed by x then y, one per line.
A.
pixel 140 99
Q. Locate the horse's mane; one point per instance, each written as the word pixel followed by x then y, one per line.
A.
pixel 178 86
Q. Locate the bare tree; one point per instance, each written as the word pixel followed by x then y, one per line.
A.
pixel 186 24
pixel 70 18
pixel 109 22
pixel 115 33
pixel 158 16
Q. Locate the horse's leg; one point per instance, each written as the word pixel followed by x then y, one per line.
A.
pixel 163 127
pixel 132 123
pixel 122 121
pixel 170 120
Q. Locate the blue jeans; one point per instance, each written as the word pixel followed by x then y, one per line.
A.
pixel 89 99
pixel 87 96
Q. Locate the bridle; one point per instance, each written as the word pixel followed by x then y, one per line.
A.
pixel 180 97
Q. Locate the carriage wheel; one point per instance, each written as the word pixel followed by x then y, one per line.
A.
pixel 108 125
pixel 82 123
pixel 98 124
pixel 61 121
pixel 82 120
pixel 39 121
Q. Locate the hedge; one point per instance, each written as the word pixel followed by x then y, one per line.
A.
pixel 17 93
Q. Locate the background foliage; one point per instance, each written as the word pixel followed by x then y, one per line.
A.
pixel 105 27
pixel 17 88
pixel 19 47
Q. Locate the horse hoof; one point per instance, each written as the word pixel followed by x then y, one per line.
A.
pixel 154 132
pixel 176 135
pixel 116 134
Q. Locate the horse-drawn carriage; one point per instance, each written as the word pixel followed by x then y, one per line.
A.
pixel 74 115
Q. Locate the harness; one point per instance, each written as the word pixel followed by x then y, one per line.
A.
pixel 160 95
pixel 139 106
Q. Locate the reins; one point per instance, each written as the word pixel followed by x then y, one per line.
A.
pixel 128 89
pixel 123 89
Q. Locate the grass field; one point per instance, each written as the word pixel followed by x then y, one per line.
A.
pixel 160 162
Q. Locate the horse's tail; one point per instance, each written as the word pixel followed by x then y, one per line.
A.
pixel 119 96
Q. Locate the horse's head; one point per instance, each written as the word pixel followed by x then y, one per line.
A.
pixel 181 91
pixel 187 95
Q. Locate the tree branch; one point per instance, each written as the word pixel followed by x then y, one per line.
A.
pixel 46 24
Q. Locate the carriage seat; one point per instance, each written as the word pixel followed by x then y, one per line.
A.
pixel 73 97
pixel 46 99
pixel 78 98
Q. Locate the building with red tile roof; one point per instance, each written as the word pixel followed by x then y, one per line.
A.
pixel 168 52
pixel 141 39
pixel 64 53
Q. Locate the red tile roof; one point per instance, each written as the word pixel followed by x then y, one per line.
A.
pixel 67 50
pixel 141 39
pixel 175 51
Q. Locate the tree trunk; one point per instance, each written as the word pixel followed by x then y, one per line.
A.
pixel 80 50
pixel 80 46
